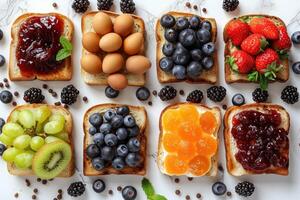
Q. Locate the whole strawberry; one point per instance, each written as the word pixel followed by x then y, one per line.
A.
pixel 284 43
pixel 237 31
pixel 264 26
pixel 241 62
pixel 266 60
pixel 254 44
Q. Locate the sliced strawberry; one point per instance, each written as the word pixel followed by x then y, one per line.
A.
pixel 254 44
pixel 283 44
pixel 264 26
pixel 237 31
pixel 241 62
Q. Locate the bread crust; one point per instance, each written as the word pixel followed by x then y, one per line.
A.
pixel 70 170
pixel 210 76
pixel 233 77
pixel 214 160
pixel 230 158
pixel 88 170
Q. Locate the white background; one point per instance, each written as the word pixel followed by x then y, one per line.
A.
pixel 267 186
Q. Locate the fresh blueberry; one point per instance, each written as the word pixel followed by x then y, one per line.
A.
pixel 195 22
pixel 207 63
pixel 111 93
pixel 123 110
pixel 219 188
pixel 171 35
pixel 92 130
pixel 134 145
pixel 117 121
pixel 92 151
pixel 1 34
pixel 108 115
pixel 99 139
pixel 99 186
pixel 133 159
pixel 296 37
pixel 2 149
pixel 129 193
pixel 238 100
pixel 181 55
pixel 110 140
pixel 179 72
pixel 187 37
pixel 107 153
pixel 96 119
pixel 166 64
pixel 6 97
pixel 105 128
pixel 203 36
pixel 208 48
pixel 182 23
pixel 2 60
pixel 168 49
pixel 134 131
pixel 142 93
pixel 118 163
pixel 2 123
pixel 196 54
pixel 167 21
pixel 194 69
pixel 296 67
pixel 121 133
pixel 129 121
pixel 98 163
pixel 206 25
pixel 122 150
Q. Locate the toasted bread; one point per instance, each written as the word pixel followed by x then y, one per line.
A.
pixel 231 76
pixel 161 152
pixel 69 171
pixel 233 166
pixel 64 73
pixel 101 79
pixel 140 115
pixel 209 76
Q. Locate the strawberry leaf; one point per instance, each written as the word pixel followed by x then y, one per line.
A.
pixel 253 76
pixel 147 187
pixel 263 44
pixel 263 82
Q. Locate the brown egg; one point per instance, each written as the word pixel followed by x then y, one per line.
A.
pixel 91 63
pixel 110 42
pixel 123 25
pixel 133 43
pixel 117 81
pixel 137 64
pixel 112 63
pixel 90 41
pixel 102 23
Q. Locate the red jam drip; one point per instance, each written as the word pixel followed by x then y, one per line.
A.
pixel 260 141
pixel 38 45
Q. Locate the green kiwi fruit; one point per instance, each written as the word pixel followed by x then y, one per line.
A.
pixel 51 159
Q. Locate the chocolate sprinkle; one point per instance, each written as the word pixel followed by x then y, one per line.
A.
pixel 229 193
pixel 85 99
pixel 59 196
pixel 14 103
pixel 195 7
pixel 190 178
pixel 5 80
pixel 7 85
pixel 45 86
pixel 16 93
pixel 44 182
pixel 57 103
pixel 27 182
pixel 154 92
pixel 198 195
pixel 176 180
pixel 110 192
pixel 54 5
pixel 204 10
pixel 119 188
pixel 60 191
pixel 50 91
pixel 35 190
pixel 150 103
pixel 33 196
pixel 177 192
pixel 188 4
pixel 181 92
pixel 38 180
pixel 16 195
pixel 187 197
pixel 224 107
pixel 1 85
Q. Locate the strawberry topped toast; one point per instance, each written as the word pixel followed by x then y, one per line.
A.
pixel 256 50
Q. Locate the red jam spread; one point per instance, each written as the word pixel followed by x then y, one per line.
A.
pixel 260 141
pixel 38 45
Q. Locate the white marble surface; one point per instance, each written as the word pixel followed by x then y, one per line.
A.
pixel 267 186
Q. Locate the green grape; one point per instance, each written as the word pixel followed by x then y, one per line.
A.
pixel 42 113
pixel 53 127
pixel 26 119
pixel 14 116
pixel 39 128
pixel 6 140
pixel 10 154
pixel 57 117
pixel 64 136
pixel 50 139
pixel 36 143
pixel 22 141
pixel 24 160
pixel 12 130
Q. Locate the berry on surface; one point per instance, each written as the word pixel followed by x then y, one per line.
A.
pixel 230 5
pixel 219 188
pixel 69 95
pixel 6 97
pixel 80 6
pixel 195 96
pixel 259 95
pixel 33 95
pixel 244 189
pixel 290 94
pixel 104 4
pixel 127 6
pixel 216 93
pixel 167 93
pixel 99 186
pixel 76 189
pixel 296 37
pixel 238 100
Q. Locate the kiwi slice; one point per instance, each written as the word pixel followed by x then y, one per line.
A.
pixel 51 159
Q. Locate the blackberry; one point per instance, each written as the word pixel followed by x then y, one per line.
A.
pixel 104 4
pixel 260 95
pixel 33 95
pixel 230 5
pixel 244 189
pixel 127 6
pixel 216 93
pixel 80 6
pixel 290 94
pixel 69 95
pixel 195 96
pixel 167 93
pixel 76 189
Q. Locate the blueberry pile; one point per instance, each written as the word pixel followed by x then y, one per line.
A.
pixel 189 48
pixel 116 141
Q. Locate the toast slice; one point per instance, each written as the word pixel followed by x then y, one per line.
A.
pixel 209 76
pixel 233 166
pixel 64 73
pixel 101 79
pixel 233 77
pixel 201 108
pixel 140 115
pixel 70 170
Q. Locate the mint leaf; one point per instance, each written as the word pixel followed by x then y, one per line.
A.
pixel 62 54
pixel 148 188
pixel 65 43
pixel 158 197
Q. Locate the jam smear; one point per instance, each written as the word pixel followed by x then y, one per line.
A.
pixel 38 45
pixel 260 141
